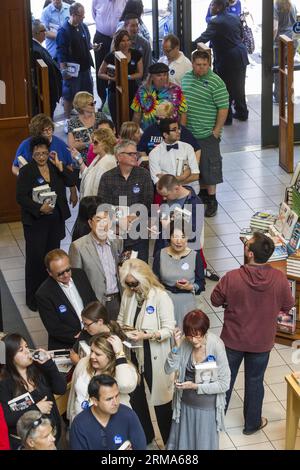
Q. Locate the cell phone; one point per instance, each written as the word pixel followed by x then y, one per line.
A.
pixel 60 352
pixel 181 281
pixel 125 445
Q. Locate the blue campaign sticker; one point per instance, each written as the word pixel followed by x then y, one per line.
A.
pixel 296 27
pixel 185 266
pixel 150 309
pixel 85 404
pixel 118 439
pixel 40 180
pixel 205 83
pixel 136 189
pixel 210 358
pixel 172 72
pixel 132 62
pixel 62 308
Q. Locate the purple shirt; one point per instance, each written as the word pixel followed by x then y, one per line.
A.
pixel 106 14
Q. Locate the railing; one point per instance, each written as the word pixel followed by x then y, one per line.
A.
pixel 43 92
pixel 122 95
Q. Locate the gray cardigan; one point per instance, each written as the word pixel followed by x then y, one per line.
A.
pixel 178 362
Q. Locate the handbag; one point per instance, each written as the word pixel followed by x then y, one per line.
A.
pixel 247 35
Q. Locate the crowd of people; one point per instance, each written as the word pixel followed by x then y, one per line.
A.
pixel 145 187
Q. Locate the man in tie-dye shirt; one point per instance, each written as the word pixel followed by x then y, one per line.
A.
pixel 155 90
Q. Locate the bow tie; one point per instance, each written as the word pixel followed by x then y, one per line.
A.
pixel 174 146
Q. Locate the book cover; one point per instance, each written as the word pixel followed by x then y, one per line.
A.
pixel 38 190
pixel 284 211
pixel 289 225
pixel 21 403
pixel 73 69
pixel 49 196
pixel 286 322
pixel 206 372
pixel 294 242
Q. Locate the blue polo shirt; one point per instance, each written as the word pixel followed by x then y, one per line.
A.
pixel 57 145
pixel 87 433
pixel 152 137
pixel 53 19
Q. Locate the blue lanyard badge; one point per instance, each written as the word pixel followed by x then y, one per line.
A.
pixel 85 405
pixel 136 189
pixel 40 180
pixel 118 439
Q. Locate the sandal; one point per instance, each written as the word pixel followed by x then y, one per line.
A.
pixel 264 423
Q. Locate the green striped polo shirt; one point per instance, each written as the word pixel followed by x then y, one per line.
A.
pixel 205 96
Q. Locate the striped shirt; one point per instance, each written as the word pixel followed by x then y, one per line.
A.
pixel 108 264
pixel 205 96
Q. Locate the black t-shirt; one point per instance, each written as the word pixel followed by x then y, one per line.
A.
pixel 79 47
pixel 84 336
pixel 132 68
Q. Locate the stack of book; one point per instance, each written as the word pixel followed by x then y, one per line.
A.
pixel 42 194
pixel 261 221
pixel 279 253
pixel 286 322
pixel 293 264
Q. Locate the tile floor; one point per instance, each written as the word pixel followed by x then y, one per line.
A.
pixel 252 181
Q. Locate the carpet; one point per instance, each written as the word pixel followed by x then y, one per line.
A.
pixel 10 318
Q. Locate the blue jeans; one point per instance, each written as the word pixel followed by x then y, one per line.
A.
pixel 255 365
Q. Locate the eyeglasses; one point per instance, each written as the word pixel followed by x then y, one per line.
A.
pixel 86 325
pixel 47 130
pixel 132 285
pixel 130 154
pixel 67 270
pixel 40 154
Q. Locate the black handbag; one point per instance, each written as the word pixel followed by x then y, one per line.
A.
pixel 247 35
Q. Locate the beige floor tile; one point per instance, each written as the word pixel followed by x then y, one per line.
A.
pixel 12 263
pixel 273 411
pixel 279 390
pixel 225 441
pixel 16 286
pixel 4 230
pixel 239 439
pixel 10 252
pixel 275 430
pixel 219 252
pixel 275 359
pixel 26 312
pixel 8 241
pixel 269 396
pixel 235 401
pixel 34 324
pixel 211 242
pixel 231 239
pixel 276 374
pixel 262 446
pixel 239 381
pixel 13 274
pixel 234 418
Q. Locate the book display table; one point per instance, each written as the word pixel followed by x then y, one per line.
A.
pixel 292 412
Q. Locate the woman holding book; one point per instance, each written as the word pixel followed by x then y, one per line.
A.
pixel 43 222
pixel 147 310
pixel 107 357
pixel 95 320
pixel 180 270
pixel 198 408
pixel 31 385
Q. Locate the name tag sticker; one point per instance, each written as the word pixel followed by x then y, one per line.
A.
pixel 118 439
pixel 136 189
pixel 40 180
pixel 150 309
pixel 85 404
pixel 185 266
pixel 62 308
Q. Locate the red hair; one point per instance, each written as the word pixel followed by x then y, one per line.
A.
pixel 195 322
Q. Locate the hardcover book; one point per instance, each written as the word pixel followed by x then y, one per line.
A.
pixel 206 372
pixel 286 322
pixel 21 403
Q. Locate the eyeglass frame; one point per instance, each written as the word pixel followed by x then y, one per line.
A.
pixel 131 154
pixel 90 324
pixel 35 424
pixel 67 270
pixel 40 154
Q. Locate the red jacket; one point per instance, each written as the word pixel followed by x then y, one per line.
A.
pixel 253 296
pixel 4 441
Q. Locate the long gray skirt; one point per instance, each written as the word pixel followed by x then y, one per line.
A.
pixel 197 430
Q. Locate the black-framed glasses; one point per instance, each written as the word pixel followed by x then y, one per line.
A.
pixel 67 270
pixel 86 325
pixel 132 285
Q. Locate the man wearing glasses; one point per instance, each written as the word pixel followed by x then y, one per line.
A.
pixel 61 299
pixel 53 17
pixel 133 184
pixel 177 62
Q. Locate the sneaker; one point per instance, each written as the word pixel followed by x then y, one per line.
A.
pixel 66 125
pixel 211 275
pixel 211 208
pixel 264 423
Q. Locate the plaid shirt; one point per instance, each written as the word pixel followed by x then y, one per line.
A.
pixel 138 187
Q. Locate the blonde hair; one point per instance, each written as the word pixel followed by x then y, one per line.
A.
pixel 100 341
pixel 81 99
pixel 128 129
pixel 107 139
pixel 142 272
pixel 166 108
pixel 284 5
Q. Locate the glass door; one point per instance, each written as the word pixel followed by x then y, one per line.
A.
pixel 281 24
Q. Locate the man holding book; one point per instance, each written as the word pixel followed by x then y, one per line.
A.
pixel 253 296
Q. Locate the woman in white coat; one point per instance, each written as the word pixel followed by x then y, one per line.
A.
pixel 149 311
pixel 104 142
pixel 106 357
